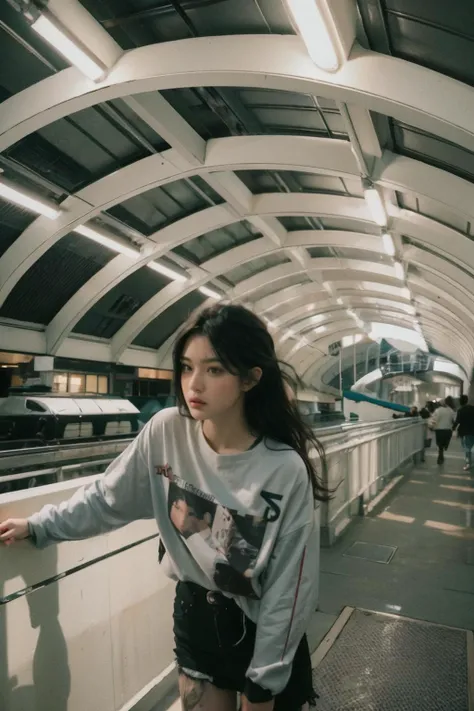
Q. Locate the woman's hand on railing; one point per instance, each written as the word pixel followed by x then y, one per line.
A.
pixel 13 529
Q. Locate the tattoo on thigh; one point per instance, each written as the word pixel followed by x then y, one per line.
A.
pixel 192 691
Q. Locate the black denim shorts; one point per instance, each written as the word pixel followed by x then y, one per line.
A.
pixel 214 641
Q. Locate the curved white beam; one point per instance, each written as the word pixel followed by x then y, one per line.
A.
pixel 291 153
pixel 464 346
pixel 219 265
pixel 377 82
pixel 325 155
pixel 183 230
pixel 296 317
pixel 307 363
pixel 200 223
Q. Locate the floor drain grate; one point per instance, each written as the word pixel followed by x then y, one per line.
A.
pixel 371 551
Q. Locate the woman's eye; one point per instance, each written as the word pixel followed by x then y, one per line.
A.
pixel 215 371
pixel 185 368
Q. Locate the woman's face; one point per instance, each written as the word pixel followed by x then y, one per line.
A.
pixel 210 391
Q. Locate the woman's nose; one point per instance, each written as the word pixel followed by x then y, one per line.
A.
pixel 196 382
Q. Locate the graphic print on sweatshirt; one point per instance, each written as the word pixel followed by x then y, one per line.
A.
pixel 223 542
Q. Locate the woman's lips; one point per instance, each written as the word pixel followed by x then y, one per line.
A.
pixel 196 403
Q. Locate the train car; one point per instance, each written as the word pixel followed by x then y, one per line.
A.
pixel 34 418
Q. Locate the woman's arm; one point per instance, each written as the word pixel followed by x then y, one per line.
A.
pixel 289 599
pixel 120 496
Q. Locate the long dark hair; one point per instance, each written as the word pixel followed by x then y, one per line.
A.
pixel 241 342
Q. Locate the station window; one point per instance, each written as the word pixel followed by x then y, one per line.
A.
pixel 80 383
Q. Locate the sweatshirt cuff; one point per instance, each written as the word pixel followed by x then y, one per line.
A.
pixel 255 693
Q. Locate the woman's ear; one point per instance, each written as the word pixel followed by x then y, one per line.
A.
pixel 252 380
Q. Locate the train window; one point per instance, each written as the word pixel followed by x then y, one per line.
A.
pixel 91 383
pixel 35 406
pixel 103 388
pixel 77 383
pixel 60 383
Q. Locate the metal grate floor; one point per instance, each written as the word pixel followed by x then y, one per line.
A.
pixel 386 663
pixel 371 551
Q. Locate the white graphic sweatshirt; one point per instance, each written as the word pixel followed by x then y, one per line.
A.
pixel 243 524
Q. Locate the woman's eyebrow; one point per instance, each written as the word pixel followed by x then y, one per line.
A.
pixel 205 360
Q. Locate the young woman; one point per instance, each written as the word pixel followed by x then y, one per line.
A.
pixel 229 479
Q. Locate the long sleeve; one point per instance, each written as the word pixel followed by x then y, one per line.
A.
pixel 289 599
pixel 120 496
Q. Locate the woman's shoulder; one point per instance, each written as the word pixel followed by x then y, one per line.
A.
pixel 167 420
pixel 282 455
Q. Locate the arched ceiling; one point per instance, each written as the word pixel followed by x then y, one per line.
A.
pixel 216 155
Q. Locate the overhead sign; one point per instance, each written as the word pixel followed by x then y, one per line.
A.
pixel 334 348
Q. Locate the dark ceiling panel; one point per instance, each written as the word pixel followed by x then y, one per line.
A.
pixel 191 104
pixel 437 34
pixel 255 266
pixel 213 243
pixel 121 302
pixel 164 325
pixel 259 181
pixel 158 207
pixel 39 155
pixel 294 223
pixel 146 21
pixel 22 52
pixel 54 278
pixel 13 220
pixel 413 142
pixel 320 252
pixel 90 140
pixel 287 112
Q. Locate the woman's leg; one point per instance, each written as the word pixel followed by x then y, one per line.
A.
pixel 200 695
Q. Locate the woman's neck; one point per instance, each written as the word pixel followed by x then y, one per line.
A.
pixel 229 435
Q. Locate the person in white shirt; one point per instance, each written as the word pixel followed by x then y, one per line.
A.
pixel 442 423
pixel 228 478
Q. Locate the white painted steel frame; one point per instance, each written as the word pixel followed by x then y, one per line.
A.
pixel 269 67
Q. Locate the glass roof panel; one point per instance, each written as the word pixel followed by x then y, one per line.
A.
pixel 413 142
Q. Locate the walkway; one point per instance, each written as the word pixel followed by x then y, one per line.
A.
pixel 415 559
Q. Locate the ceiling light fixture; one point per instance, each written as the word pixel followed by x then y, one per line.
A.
pixel 388 244
pixel 51 30
pixel 106 241
pixel 10 193
pixel 167 272
pixel 209 292
pixel 317 31
pixel 374 203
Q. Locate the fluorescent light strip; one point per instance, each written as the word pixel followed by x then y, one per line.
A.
pixel 106 241
pixel 375 204
pixel 50 30
pixel 166 271
pixel 12 194
pixel 315 32
pixel 209 292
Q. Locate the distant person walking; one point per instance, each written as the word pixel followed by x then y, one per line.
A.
pixel 426 413
pixel 464 425
pixel 442 423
